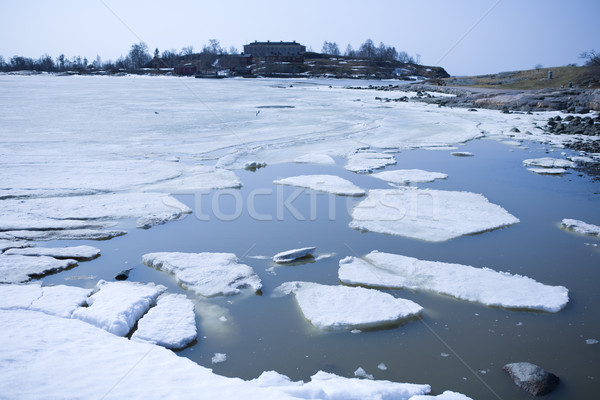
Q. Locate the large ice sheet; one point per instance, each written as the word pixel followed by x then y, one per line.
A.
pixel 482 285
pixel 18 268
pixel 578 226
pixel 342 307
pixel 96 362
pixel 79 253
pixel 117 306
pixel 365 161
pixel 206 274
pixel 58 300
pixel 324 183
pixel 426 214
pixel 404 176
pixel 171 323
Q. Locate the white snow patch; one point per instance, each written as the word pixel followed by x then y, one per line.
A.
pixel 79 253
pixel 405 176
pixel 218 358
pixel 18 268
pixel 324 183
pixel 342 307
pixel 482 285
pixel 426 214
pixel 171 323
pixel 578 226
pixel 548 162
pixel 206 274
pixel 315 159
pixel 117 306
pixel 291 255
pixel 364 162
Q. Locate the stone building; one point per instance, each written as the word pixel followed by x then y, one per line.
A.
pixel 276 51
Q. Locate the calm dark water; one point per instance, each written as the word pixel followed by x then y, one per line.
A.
pixel 457 345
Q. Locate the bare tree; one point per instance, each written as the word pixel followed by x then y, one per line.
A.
pixel 350 51
pixel 367 50
pixel 187 51
pixel 214 47
pixel 330 48
pixel 592 59
pixel 138 55
pixel 233 50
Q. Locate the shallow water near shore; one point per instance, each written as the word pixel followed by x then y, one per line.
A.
pixel 456 345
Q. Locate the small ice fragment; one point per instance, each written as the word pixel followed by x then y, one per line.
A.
pixel 444 354
pixel 361 373
pixel 324 183
pixel 364 162
pixel 548 171
pixel 548 162
pixel 355 331
pixel 462 154
pixel 219 358
pixel 519 324
pixel 291 255
pixel 79 253
pixel 591 341
pixel 580 227
pixel 405 176
pixel 382 367
pixel 222 318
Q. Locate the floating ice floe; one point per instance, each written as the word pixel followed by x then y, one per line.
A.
pixel 324 183
pixel 361 373
pixel 171 323
pixel 291 255
pixel 117 306
pixel 79 253
pixel 50 348
pixel 405 176
pixel 197 178
pixel 58 300
pixel 462 154
pixel 547 171
pixel 218 358
pixel 365 161
pixel 432 215
pixel 67 234
pixel 206 274
pixel 6 244
pixel 578 226
pixel 18 268
pixel 481 285
pixel 315 159
pixel 342 307
pixel 548 162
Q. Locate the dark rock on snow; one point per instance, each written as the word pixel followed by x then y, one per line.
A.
pixel 532 378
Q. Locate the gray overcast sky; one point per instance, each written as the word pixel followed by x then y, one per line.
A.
pixel 465 37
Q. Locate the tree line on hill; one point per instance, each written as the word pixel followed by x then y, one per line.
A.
pixel 139 56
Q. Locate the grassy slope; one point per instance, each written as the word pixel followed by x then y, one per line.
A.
pixel 528 79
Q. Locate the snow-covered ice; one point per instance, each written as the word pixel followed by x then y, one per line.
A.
pixel 404 176
pixel 6 244
pixel 218 358
pixel 291 255
pixel 79 253
pixel 57 300
pixel 342 307
pixel 315 159
pixel 206 274
pixel 361 373
pixel 197 178
pixel 18 268
pixel 117 306
pixel 68 234
pixel 365 161
pixel 482 285
pixel 324 183
pixel 547 171
pixel 171 323
pixel 52 348
pixel 548 162
pixel 578 226
pixel 426 214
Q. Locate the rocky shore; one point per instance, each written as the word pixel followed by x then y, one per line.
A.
pixel 570 100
